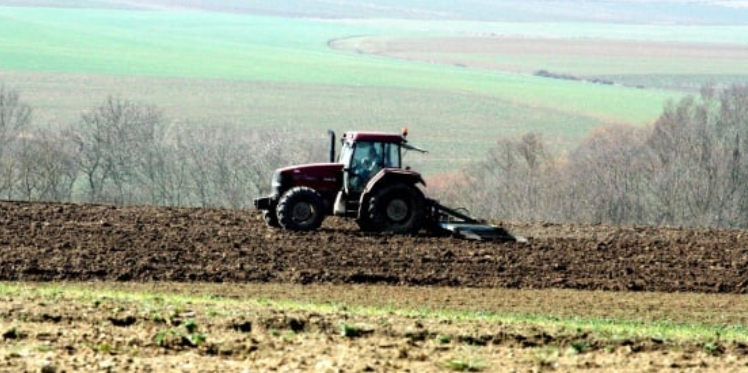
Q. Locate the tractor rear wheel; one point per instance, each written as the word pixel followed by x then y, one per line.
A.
pixel 300 209
pixel 365 224
pixel 397 208
pixel 363 220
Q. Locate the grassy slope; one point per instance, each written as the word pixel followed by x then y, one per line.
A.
pixel 267 49
pixel 279 71
pixel 217 68
pixel 615 11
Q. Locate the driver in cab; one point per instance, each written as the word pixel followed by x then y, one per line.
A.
pixel 369 162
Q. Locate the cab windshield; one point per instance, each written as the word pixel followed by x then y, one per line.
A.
pixel 382 154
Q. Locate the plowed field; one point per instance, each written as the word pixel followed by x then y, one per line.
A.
pixel 45 242
pixel 224 260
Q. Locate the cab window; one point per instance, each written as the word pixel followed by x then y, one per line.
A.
pixel 391 155
pixel 345 154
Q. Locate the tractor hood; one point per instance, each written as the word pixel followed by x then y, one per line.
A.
pixel 323 177
pixel 314 170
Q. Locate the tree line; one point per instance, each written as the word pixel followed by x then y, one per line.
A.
pixel 123 152
pixel 690 168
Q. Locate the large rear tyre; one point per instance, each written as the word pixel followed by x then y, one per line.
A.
pixel 363 220
pixel 397 208
pixel 300 209
pixel 365 224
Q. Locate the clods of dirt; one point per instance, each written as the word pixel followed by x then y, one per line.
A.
pixel 50 241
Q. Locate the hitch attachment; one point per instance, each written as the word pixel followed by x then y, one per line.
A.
pixel 461 224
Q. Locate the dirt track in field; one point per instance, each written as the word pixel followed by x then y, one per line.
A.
pixel 43 242
pixel 476 51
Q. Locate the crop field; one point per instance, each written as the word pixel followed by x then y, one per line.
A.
pixel 238 69
pixel 638 63
pixel 89 288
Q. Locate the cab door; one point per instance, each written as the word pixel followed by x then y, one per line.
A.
pixel 359 165
pixel 365 160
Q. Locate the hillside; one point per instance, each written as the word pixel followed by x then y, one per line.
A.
pixel 616 11
pixel 260 65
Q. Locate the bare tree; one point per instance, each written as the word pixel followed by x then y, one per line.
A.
pixel 15 116
pixel 45 167
pixel 689 168
pixel 603 175
pixel 696 159
pixel 111 141
pixel 165 176
pixel 733 130
pixel 232 166
pixel 511 183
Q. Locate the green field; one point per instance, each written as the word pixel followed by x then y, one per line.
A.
pixel 211 68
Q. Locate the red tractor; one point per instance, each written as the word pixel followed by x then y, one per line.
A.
pixel 368 183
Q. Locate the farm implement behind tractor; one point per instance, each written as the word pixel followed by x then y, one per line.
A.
pixel 368 183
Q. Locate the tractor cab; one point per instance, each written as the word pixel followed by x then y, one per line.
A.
pixel 363 155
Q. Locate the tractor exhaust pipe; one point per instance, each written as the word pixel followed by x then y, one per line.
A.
pixel 332 145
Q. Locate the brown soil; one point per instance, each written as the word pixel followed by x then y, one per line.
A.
pixel 48 242
pixel 139 249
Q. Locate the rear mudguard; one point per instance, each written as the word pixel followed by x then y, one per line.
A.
pixel 391 176
pixel 387 176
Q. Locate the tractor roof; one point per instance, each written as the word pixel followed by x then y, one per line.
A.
pixel 375 136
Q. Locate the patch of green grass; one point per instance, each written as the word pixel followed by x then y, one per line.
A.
pixel 546 357
pixel 597 328
pixel 579 347
pixel 191 326
pixel 353 331
pixel 468 361
pixel 172 337
pixel 103 348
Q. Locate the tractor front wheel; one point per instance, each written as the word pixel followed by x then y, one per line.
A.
pixel 270 218
pixel 300 209
pixel 398 208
